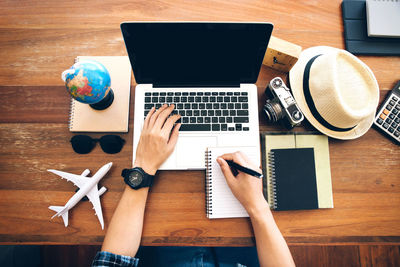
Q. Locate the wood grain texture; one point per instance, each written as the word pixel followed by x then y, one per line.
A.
pixel 38 40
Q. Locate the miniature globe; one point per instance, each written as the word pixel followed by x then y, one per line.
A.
pixel 87 81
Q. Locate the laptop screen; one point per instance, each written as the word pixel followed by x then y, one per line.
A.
pixel 196 54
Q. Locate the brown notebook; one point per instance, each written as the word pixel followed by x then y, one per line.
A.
pixel 115 118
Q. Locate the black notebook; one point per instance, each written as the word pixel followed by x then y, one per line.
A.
pixel 293 183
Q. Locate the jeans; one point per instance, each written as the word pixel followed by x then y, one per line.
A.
pixel 198 256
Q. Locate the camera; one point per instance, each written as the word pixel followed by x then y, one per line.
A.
pixel 282 106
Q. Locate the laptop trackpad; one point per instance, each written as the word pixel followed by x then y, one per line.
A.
pixel 190 150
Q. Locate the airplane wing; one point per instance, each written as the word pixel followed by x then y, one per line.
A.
pixel 94 197
pixel 78 180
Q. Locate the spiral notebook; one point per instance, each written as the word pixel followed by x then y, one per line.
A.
pixel 220 201
pixel 297 170
pixel 115 118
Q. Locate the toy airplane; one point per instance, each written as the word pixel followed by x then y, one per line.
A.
pixel 87 186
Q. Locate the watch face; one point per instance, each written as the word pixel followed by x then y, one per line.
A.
pixel 135 178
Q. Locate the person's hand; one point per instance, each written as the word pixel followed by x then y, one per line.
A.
pixel 158 139
pixel 246 188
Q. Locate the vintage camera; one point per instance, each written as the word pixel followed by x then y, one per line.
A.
pixel 282 105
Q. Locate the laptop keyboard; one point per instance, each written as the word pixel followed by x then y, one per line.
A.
pixel 204 111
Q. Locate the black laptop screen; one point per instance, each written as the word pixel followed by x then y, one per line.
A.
pixel 196 54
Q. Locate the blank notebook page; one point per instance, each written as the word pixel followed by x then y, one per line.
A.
pixel 220 201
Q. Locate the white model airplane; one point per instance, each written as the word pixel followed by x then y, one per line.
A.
pixel 87 186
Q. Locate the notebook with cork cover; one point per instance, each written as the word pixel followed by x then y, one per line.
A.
pixel 303 157
pixel 115 118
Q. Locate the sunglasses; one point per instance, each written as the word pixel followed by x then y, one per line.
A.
pixel 110 144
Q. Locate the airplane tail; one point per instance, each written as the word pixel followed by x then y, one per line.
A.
pixel 61 211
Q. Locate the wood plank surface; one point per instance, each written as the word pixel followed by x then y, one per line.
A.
pixel 38 40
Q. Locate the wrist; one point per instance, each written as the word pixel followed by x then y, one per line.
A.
pixel 259 209
pixel 148 169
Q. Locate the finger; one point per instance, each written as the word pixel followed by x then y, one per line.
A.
pixel 155 115
pixel 163 116
pixel 226 170
pixel 147 119
pixel 236 157
pixel 174 137
pixel 166 129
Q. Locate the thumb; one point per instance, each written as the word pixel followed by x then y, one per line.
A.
pixel 226 170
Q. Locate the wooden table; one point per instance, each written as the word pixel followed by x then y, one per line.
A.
pixel 39 39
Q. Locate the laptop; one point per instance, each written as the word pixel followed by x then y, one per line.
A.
pixel 208 70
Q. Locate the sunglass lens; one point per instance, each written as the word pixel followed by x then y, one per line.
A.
pixel 82 144
pixel 111 144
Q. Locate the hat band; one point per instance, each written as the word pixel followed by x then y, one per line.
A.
pixel 310 101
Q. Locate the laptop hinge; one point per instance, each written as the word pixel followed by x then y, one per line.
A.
pixel 155 85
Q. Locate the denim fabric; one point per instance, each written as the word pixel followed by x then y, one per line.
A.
pixel 183 257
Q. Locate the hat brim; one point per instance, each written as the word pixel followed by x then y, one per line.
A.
pixel 296 83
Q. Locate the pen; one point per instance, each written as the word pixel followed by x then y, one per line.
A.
pixel 244 169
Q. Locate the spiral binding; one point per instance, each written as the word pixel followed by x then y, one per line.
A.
pixel 72 108
pixel 208 183
pixel 272 181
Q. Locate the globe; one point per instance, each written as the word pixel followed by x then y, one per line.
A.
pixel 87 81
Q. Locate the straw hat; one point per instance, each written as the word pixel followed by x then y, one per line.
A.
pixel 337 92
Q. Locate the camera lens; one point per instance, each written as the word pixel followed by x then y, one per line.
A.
pixel 273 111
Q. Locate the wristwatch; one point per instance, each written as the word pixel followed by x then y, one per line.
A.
pixel 137 178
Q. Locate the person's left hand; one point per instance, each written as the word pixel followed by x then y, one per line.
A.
pixel 158 139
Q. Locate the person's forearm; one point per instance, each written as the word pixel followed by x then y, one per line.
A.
pixel 271 246
pixel 125 230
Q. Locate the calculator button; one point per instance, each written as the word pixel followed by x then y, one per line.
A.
pixel 394 125
pixel 386 112
pixel 396 133
pixel 389 107
pixel 397 120
pixel 394 98
pixel 385 125
pixel 395 111
pixel 383 116
pixel 391 115
pixel 379 121
pixel 391 129
pixel 398 128
pixel 392 102
pixel 398 106
pixel 389 121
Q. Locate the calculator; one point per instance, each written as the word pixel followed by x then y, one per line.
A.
pixel 388 117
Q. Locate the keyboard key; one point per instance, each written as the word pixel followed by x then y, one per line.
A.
pixel 379 121
pixel 199 119
pixel 242 113
pixel 207 119
pixel 216 127
pixel 148 106
pixel 391 129
pixel 161 99
pixel 147 99
pixel 203 112
pixel 185 93
pixel 154 99
pixel 214 119
pixel 195 106
pixel 229 93
pixel 385 125
pixel 221 93
pixel 389 107
pixel 185 119
pixel 163 94
pixel 199 93
pixel 221 119
pixel 218 112
pixel 389 121
pixel 391 115
pixel 394 125
pixel 208 106
pixel 227 99
pixel 205 99
pixel 195 127
pixel 202 106
pixel 238 106
pixel 229 119
pixel 214 93
pixel 395 111
pixel 210 113
pixel 207 93
pixel 236 93
pixel 220 99
pixel 191 99
pixel 187 106
pixel 246 129
pixel 232 112
pixel 192 119
pixel 243 99
pixel 155 94
pixel 215 106
pixel 386 112
pixel 224 127
pixel 177 93
pixel 243 93
pixel 170 93
pixel 212 99
pixel 231 106
pixel 196 112
pixel 169 99
pixel 147 94
pixel 223 105
pixel 391 102
pixel 245 106
pixel 184 99
pixel 189 112
pixel 181 112
pixel 197 99
pixel 225 113
pixel 192 93
pixel 241 119
pixel 231 128
pixel 238 127
pixel 234 99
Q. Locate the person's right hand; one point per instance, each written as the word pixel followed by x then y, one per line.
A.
pixel 246 188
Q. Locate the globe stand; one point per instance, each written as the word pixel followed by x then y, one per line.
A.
pixel 105 102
